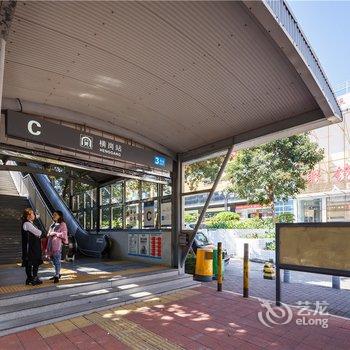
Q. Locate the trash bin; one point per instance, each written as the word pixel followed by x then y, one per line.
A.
pixel 215 264
pixel 204 265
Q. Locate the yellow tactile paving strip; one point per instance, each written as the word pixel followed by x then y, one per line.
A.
pixel 132 335
pixel 48 331
pixel 70 276
pixel 112 321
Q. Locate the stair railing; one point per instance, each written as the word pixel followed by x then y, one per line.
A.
pixel 26 187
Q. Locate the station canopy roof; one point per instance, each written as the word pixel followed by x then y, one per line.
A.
pixel 179 77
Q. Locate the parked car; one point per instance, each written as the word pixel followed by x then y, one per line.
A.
pixel 201 240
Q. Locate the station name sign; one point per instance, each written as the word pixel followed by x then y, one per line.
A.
pixel 38 130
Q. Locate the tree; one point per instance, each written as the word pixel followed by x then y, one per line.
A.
pixel 224 219
pixel 274 171
pixel 202 172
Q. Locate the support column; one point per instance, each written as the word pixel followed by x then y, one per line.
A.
pixel 98 213
pixel 176 216
pixel 2 64
pixel 7 10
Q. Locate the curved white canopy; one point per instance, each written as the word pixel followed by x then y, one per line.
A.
pixel 176 75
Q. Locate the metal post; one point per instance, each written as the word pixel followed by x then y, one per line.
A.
pixel 286 276
pixel 175 216
pixel 98 204
pixel 278 286
pixel 124 204
pixel 246 271
pixel 2 64
pixel 178 216
pixel 206 205
pixel 336 282
pixel 71 192
pixel 219 269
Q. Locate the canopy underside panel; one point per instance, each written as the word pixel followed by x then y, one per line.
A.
pixel 183 74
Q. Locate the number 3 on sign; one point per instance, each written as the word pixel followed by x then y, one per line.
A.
pixel 160 161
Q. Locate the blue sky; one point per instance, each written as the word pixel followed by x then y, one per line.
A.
pixel 326 24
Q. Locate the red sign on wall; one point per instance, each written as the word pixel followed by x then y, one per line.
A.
pixel 156 245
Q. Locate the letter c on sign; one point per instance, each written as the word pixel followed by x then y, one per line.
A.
pixel 30 127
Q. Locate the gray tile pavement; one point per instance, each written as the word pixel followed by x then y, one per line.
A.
pixel 304 287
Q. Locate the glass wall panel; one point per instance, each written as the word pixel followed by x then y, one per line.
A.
pixel 338 208
pixel 105 217
pixel 132 216
pixel 132 190
pixel 81 201
pixel 149 214
pixel 167 190
pixel 94 197
pixel 112 206
pixel 117 193
pixel 105 195
pixel 88 199
pixel 75 203
pixel 311 210
pixel 149 190
pixel 195 178
pixel 117 218
pixel 88 220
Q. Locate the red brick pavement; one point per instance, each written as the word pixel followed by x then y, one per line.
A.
pixel 207 320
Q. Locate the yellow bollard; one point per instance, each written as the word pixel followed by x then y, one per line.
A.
pixel 246 271
pixel 204 265
pixel 269 271
pixel 219 260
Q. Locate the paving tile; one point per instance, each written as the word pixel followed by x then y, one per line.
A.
pixel 80 321
pixel 10 342
pixel 65 326
pixel 48 331
pixel 230 322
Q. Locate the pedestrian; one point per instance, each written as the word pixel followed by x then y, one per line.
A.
pixel 31 247
pixel 57 235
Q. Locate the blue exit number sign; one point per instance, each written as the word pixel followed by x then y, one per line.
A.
pixel 159 161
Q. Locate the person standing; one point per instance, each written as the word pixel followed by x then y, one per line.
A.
pixel 58 235
pixel 31 247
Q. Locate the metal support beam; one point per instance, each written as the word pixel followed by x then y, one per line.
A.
pixel 7 9
pixel 175 202
pixel 297 124
pixel 206 205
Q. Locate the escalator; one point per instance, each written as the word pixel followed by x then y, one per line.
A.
pixel 92 245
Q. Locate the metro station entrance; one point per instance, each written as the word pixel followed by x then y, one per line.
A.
pixel 118 96
pixel 116 196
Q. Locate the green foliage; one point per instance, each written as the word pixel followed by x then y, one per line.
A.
pixel 117 223
pixel 256 235
pixel 191 217
pixel 270 245
pixel 224 219
pixel 285 218
pixel 254 223
pixel 202 172
pixel 273 171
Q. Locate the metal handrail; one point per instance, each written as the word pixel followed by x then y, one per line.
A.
pixel 26 187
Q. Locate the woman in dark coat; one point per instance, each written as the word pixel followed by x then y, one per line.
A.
pixel 31 247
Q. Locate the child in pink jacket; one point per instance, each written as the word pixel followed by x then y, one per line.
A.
pixel 57 235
